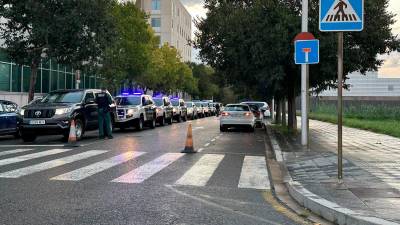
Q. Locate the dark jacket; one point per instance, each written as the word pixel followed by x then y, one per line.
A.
pixel 103 100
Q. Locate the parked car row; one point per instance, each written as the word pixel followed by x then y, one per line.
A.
pixel 53 113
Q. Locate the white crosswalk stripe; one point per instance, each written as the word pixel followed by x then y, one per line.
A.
pixel 49 164
pixel 98 167
pixel 19 150
pixel 254 173
pixel 144 172
pixel 202 171
pixel 31 156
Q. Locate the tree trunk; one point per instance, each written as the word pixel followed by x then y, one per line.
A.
pixel 283 105
pixel 278 115
pixel 32 82
pixel 292 123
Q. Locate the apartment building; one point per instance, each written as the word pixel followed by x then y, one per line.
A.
pixel 171 22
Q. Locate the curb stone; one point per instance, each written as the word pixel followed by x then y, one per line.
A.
pixel 320 206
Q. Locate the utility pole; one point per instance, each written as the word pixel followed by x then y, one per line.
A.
pixel 304 83
pixel 340 106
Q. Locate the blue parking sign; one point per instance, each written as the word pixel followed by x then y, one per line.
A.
pixel 306 51
pixel 341 15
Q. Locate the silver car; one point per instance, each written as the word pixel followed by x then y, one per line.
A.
pixel 237 115
pixel 191 110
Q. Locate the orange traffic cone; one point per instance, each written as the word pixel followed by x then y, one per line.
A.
pixel 189 141
pixel 72 142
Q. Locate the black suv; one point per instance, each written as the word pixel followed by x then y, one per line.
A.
pixel 53 114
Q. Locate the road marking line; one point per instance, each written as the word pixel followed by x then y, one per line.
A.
pixel 197 128
pixel 200 150
pixel 31 156
pixel 232 210
pixel 50 164
pixel 144 172
pixel 10 146
pixel 202 171
pixel 207 144
pixel 254 173
pixel 19 150
pixel 213 139
pixel 98 167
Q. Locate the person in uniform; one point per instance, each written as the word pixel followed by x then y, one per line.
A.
pixel 218 109
pixel 103 100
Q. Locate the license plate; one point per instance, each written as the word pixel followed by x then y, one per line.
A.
pixel 37 122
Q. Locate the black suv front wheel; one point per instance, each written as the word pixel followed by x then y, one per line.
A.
pixel 79 129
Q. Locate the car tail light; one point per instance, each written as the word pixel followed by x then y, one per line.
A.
pixel 225 114
pixel 247 114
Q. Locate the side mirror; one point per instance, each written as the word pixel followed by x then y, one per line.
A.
pixel 89 101
pixel 263 109
pixel 148 102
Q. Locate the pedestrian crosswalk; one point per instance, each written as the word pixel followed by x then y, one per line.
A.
pixel 202 171
pixel 92 169
pixel 202 168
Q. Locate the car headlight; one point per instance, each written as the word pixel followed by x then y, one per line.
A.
pixel 131 111
pixel 22 111
pixel 174 110
pixel 62 111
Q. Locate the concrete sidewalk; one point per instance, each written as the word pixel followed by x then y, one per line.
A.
pixel 371 190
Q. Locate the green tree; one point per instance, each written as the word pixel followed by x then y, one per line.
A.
pixel 207 85
pixel 250 43
pixel 70 31
pixel 129 56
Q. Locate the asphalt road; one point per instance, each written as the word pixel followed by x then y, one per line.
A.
pixel 138 178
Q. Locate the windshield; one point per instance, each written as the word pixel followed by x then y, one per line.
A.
pixel 189 104
pixel 158 101
pixel 258 104
pixel 236 108
pixel 132 100
pixel 63 97
pixel 198 104
pixel 175 102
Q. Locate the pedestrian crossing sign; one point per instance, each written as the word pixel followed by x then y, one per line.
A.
pixel 341 15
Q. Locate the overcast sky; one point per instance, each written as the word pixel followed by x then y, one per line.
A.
pixel 391 67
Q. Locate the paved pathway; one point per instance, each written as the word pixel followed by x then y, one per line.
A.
pixel 371 169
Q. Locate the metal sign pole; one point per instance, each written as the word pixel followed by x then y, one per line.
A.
pixel 340 105
pixel 77 78
pixel 304 75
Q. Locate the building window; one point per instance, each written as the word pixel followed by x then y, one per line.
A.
pixel 155 4
pixel 5 71
pixel 156 22
pixel 390 87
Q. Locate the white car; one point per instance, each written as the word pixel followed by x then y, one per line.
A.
pixel 191 110
pixel 135 110
pixel 264 107
pixel 200 109
pixel 237 115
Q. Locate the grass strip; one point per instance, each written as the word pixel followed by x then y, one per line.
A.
pixel 384 126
